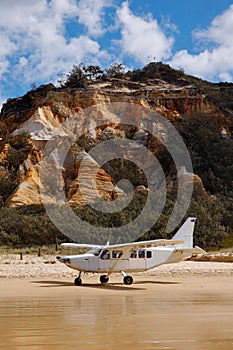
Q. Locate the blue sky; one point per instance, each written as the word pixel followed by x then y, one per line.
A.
pixel 43 38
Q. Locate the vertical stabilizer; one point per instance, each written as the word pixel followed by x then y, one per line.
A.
pixel 185 233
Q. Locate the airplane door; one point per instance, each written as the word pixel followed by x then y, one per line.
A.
pixel 148 259
pixel 104 261
pixel 142 258
pixel 138 260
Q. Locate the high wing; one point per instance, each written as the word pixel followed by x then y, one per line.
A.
pixel 127 246
pixel 80 245
pixel 144 244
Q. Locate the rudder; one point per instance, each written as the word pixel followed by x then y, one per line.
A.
pixel 185 233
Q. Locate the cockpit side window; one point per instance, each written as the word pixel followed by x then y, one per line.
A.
pixel 105 255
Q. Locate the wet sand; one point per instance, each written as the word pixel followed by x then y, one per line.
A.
pixel 181 306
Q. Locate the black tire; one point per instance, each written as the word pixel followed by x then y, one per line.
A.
pixel 78 281
pixel 128 280
pixel 104 279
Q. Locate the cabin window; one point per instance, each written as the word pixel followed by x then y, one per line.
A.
pixel 133 254
pixel 105 255
pixel 116 254
pixel 141 254
pixel 148 254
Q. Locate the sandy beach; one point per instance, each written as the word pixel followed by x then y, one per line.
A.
pixel 24 280
pixel 188 305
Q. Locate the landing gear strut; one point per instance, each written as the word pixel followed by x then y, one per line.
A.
pixel 104 279
pixel 78 280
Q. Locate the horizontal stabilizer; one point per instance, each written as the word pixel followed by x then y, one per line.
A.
pixel 195 250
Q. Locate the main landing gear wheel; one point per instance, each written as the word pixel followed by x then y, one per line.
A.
pixel 78 281
pixel 104 279
pixel 128 280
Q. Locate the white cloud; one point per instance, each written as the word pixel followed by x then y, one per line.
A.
pixel 91 13
pixel 50 63
pixel 215 61
pixel 225 76
pixel 142 38
pixel 6 49
pixel 220 30
pixel 3 66
pixel 34 42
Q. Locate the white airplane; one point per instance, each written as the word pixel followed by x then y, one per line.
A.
pixel 132 257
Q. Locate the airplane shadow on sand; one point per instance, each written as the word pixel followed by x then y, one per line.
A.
pixel 108 286
pixel 157 282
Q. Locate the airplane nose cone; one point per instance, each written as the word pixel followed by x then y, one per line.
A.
pixel 63 260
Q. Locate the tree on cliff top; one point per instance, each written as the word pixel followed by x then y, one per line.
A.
pixel 116 70
pixel 80 76
pixel 75 78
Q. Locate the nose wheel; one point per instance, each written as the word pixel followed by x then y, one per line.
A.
pixel 78 280
pixel 104 279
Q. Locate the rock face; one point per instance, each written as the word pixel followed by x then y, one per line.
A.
pixel 28 191
pixel 49 112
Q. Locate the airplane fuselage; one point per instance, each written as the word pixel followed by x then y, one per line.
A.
pixel 134 261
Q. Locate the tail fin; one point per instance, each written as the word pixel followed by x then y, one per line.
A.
pixel 185 233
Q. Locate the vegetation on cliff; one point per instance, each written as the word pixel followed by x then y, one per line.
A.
pixel 17 149
pixel 211 152
pixel 30 225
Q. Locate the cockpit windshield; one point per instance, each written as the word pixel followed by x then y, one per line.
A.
pixel 95 251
